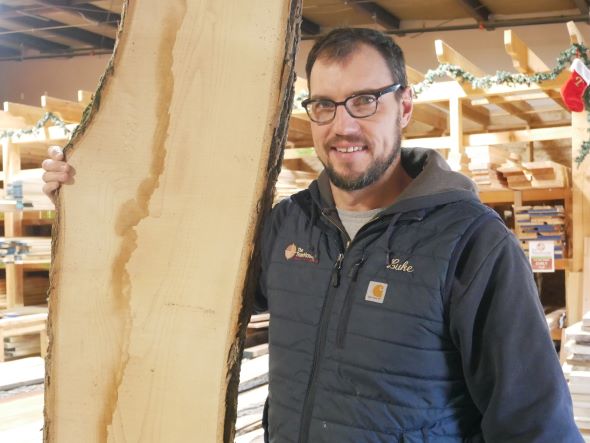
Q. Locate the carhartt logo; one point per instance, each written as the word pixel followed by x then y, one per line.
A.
pixel 294 252
pixel 376 292
pixel 395 265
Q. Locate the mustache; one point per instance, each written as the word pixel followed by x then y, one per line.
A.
pixel 353 140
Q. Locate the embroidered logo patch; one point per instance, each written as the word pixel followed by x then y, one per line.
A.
pixel 376 292
pixel 294 252
pixel 395 265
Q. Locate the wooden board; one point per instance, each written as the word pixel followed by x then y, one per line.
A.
pixel 21 418
pixel 153 243
pixel 22 372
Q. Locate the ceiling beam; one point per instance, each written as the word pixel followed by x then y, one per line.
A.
pixel 446 54
pixel 7 12
pixel 477 114
pixel 309 27
pixel 575 34
pixel 103 23
pixel 582 5
pixel 510 23
pixel 86 10
pixel 378 13
pixel 8 52
pixel 111 5
pixel 527 62
pixel 478 11
pixel 19 38
pixel 90 38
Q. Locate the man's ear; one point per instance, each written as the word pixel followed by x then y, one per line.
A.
pixel 406 107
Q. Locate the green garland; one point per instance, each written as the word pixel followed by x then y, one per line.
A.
pixel 500 78
pixel 511 79
pixel 49 116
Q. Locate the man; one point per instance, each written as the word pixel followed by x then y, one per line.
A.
pixel 402 309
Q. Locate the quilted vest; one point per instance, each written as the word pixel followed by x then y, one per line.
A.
pixel 359 343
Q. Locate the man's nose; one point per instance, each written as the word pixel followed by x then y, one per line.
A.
pixel 343 122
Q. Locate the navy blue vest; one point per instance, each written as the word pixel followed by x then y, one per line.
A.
pixel 359 342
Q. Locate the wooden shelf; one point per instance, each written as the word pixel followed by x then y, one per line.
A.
pixel 528 195
pixel 33 214
pixel 33 265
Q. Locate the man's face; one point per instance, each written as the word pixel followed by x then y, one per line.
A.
pixel 375 140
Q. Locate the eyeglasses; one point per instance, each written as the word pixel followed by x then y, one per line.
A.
pixel 323 110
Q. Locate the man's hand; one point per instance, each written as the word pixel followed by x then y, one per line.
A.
pixel 57 172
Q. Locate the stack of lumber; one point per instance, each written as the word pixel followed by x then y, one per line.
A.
pixel 514 173
pixel 556 319
pixel 483 165
pixel 23 332
pixel 29 186
pixel 515 176
pixel 577 371
pixel 540 174
pixel 488 179
pixel 35 288
pixel 252 393
pixel 21 346
pixel 541 223
pixel 22 372
pixel 26 250
pixel 546 174
pixel 290 182
pixel 257 331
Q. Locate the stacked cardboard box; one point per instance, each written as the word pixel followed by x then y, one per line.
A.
pixel 541 223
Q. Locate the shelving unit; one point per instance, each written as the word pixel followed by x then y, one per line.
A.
pixel 21 160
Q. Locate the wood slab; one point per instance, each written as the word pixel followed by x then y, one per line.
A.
pixel 175 168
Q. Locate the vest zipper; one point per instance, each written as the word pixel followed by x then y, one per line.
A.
pixel 348 302
pixel 335 278
pixel 319 348
pixel 321 334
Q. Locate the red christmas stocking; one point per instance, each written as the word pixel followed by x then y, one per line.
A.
pixel 573 89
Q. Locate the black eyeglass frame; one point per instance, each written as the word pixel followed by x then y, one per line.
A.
pixel 377 94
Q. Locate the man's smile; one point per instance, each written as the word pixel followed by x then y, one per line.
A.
pixel 348 149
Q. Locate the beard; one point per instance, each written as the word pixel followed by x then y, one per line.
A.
pixel 375 171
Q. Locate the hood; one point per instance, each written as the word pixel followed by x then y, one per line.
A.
pixel 434 183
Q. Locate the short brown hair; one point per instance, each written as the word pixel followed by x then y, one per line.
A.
pixel 341 42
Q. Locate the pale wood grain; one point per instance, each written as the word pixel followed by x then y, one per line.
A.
pixel 154 239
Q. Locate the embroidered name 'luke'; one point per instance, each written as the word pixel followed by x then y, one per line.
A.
pixel 294 252
pixel 395 265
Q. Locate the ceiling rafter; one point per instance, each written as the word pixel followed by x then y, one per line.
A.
pixel 86 10
pixel 8 52
pixel 18 38
pixel 478 11
pixel 80 35
pixel 309 27
pixel 377 12
pixel 582 5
